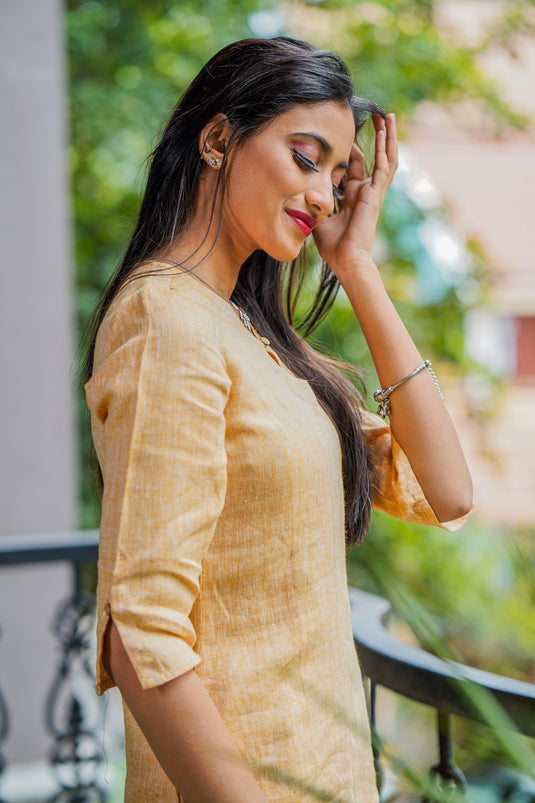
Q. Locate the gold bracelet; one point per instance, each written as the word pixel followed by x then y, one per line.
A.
pixel 382 396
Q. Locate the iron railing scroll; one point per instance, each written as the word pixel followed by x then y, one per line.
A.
pixel 72 711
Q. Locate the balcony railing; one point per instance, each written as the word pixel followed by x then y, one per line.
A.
pixel 448 687
pixel 76 755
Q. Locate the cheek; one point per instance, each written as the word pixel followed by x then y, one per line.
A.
pixel 244 199
pixel 260 177
pixel 255 196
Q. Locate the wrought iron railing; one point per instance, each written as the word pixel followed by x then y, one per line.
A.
pixel 387 662
pixel 76 755
pixel 446 686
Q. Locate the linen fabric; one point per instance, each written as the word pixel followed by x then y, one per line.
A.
pixel 222 538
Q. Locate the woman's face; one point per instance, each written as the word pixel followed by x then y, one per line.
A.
pixel 282 181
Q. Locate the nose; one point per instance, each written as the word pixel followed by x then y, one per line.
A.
pixel 319 195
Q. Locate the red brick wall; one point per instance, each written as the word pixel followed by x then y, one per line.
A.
pixel 525 346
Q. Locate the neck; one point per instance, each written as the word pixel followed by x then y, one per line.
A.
pixel 207 248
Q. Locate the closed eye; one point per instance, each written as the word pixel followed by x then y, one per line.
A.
pixel 303 161
pixel 307 164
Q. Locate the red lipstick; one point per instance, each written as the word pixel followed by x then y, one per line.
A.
pixel 303 220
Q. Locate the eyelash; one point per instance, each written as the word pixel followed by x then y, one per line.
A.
pixel 307 164
pixel 338 193
pixel 303 161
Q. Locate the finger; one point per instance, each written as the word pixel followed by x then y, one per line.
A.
pixel 391 140
pixel 386 152
pixel 357 164
pixel 378 122
pixel 381 166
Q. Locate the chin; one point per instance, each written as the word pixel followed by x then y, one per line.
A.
pixel 283 254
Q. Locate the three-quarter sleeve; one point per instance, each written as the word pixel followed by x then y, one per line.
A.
pixel 157 399
pixel 396 490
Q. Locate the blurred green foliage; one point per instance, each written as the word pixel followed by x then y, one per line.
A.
pixel 128 62
pixel 477 587
pixel 400 57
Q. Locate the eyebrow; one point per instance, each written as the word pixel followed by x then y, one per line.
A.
pixel 326 147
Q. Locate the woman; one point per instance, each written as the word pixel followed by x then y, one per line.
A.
pixel 235 458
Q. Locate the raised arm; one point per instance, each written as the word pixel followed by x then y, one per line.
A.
pixel 419 418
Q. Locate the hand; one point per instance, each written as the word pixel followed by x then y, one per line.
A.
pixel 345 239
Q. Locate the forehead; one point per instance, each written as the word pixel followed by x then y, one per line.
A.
pixel 331 121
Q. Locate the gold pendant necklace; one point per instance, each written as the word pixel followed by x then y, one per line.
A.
pixel 244 318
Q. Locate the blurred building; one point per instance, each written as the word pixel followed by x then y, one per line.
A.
pixel 488 182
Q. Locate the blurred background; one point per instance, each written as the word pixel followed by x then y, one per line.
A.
pixel 85 89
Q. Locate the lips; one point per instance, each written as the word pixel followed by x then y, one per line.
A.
pixel 303 220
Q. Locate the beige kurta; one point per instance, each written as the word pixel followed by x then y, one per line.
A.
pixel 222 538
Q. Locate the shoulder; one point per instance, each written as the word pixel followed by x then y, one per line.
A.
pixel 155 337
pixel 167 309
pixel 167 299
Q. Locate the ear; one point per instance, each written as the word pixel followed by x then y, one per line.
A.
pixel 214 139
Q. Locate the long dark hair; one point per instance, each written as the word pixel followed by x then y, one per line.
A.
pixel 251 82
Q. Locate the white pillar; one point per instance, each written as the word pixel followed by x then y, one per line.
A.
pixel 37 430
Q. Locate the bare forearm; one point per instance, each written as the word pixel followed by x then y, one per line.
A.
pixel 419 418
pixel 186 733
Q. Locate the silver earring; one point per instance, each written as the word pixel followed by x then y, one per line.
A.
pixel 213 162
pixel 207 149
